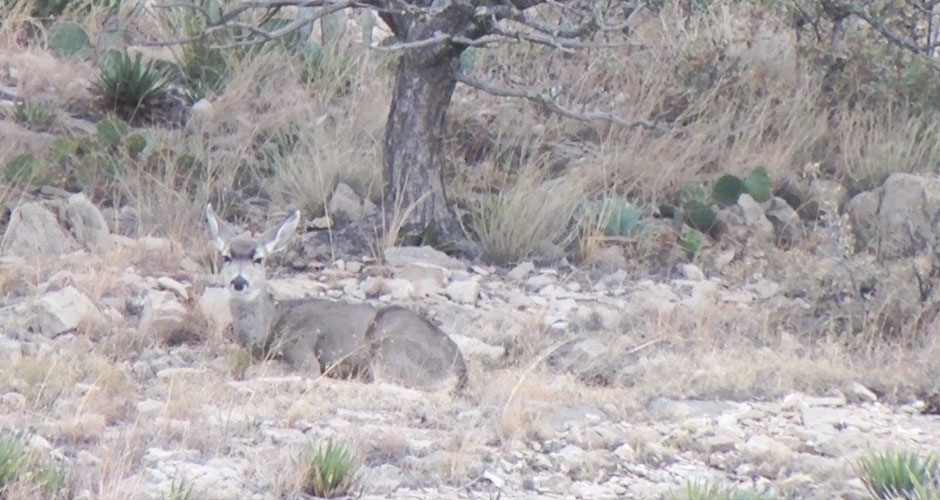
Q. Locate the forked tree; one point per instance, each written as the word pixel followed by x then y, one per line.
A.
pixel 431 35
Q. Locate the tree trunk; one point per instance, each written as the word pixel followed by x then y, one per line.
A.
pixel 414 134
pixel 414 141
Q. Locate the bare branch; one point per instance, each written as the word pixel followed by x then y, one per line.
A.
pixel 552 105
pixel 437 38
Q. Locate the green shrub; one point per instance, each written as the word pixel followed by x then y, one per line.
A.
pixel 332 471
pixel 715 491
pixel 33 116
pixel 901 475
pixel 129 87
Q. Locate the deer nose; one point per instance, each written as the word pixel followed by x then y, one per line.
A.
pixel 239 283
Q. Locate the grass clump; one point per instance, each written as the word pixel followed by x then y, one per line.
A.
pixel 528 219
pixel 901 475
pixel 179 491
pixel 332 470
pixel 716 491
pixel 34 116
pixel 25 475
pixel 129 87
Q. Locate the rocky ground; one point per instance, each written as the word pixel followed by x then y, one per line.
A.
pixel 116 361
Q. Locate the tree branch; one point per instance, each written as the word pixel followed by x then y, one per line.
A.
pixel 552 105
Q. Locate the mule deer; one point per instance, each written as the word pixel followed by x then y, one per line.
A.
pixel 391 344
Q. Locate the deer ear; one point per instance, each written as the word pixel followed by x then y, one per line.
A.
pixel 219 232
pixel 276 238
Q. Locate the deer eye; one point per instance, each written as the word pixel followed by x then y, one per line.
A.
pixel 226 258
pixel 259 260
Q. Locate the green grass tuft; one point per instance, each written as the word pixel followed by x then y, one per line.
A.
pixel 892 475
pixel 716 491
pixel 332 470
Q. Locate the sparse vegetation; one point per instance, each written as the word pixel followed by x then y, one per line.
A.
pixel 332 470
pixel 34 116
pixel 23 473
pixel 716 491
pixel 772 99
pixel 900 475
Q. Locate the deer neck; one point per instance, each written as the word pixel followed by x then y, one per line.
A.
pixel 253 322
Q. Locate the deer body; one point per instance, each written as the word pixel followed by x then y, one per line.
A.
pixel 392 344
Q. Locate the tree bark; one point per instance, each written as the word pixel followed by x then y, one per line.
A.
pixel 414 140
pixel 414 136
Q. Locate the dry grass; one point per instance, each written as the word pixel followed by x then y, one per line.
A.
pixel 272 141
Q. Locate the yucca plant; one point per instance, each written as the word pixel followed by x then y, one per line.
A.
pixel 893 475
pixel 332 470
pixel 716 491
pixel 129 87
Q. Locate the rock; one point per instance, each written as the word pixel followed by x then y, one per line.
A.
pixel 345 205
pixel 124 221
pixel 63 311
pixel 398 289
pixel 88 225
pixel 521 270
pixel 549 483
pixel 717 444
pixel 475 348
pixel 754 216
pixel 162 317
pixel 463 292
pixel 167 283
pixel 403 256
pixel 607 259
pixel 786 221
pixel 858 393
pixel 626 453
pixel 588 359
pixel 689 408
pixel 814 416
pixel 768 453
pixel 896 219
pixel 428 280
pixel 33 231
pixel 692 272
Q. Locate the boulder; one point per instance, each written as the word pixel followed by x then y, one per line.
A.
pixel 87 223
pixel 34 231
pixel 404 256
pixel 162 317
pixel 896 219
pixel 346 206
pixel 63 311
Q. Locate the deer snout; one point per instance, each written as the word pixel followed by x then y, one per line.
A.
pixel 239 283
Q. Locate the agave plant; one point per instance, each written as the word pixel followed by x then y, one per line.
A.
pixel 130 87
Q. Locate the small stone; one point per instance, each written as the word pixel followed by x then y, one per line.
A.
pixel 858 393
pixel 626 453
pixel 692 272
pixel 521 270
pixel 167 283
pixel 463 292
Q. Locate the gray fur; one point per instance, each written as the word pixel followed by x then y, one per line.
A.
pixel 391 344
